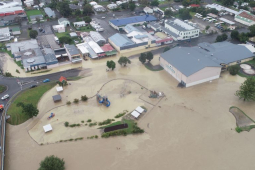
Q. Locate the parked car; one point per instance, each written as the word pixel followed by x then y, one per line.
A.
pixel 5 97
pixel 103 17
pixel 46 80
pixel 33 86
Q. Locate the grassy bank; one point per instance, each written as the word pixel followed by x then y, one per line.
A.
pixel 29 96
pixel 2 88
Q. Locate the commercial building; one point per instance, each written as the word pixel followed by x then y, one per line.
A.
pixel 11 11
pixel 121 42
pixel 118 24
pixel 50 58
pixel 21 46
pixel 73 53
pixel 84 51
pixel 5 34
pixel 180 30
pixel 194 65
pixel 97 37
pixel 32 59
pixel 4 5
pixel 49 12
pixel 222 8
pixel 15 30
pixel 109 50
pixel 245 18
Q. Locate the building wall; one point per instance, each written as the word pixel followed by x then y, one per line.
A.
pixel 52 65
pixel 244 22
pixel 116 47
pixel 184 34
pixel 204 75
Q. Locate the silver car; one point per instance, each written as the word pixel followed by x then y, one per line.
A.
pixel 5 97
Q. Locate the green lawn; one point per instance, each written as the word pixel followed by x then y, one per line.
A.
pixel 2 88
pixel 63 34
pixel 29 96
pixel 33 12
pixel 85 29
pixel 192 14
pixel 129 122
pixel 104 3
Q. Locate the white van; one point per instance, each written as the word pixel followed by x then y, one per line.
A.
pixel 56 39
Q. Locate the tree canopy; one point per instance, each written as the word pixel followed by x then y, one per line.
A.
pixel 87 19
pixel 33 34
pixel 28 109
pixel 234 34
pixel 168 13
pixel 87 9
pixel 247 90
pixel 184 14
pixel 155 3
pixel 111 64
pixel 52 163
pixel 64 9
pixel 65 40
pixel 142 58
pixel 222 37
pixel 132 6
pixel 149 56
pixel 124 61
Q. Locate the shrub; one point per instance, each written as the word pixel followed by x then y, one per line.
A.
pixel 96 136
pixel 89 120
pixel 114 133
pixel 105 122
pixel 76 101
pixel 136 129
pixel 17 71
pixel 61 141
pixel 82 121
pixel 7 74
pixel 70 139
pixel 68 103
pixel 84 98
pixel 120 115
pixel 233 70
pixel 238 129
pixel 66 124
pixel 33 34
pixel 92 124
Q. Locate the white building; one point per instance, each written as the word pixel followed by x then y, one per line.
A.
pixel 180 30
pixel 97 37
pixel 99 8
pixel 93 3
pixel 64 21
pixel 148 10
pixel 79 24
pixel 4 5
pixel 59 28
pixel 112 6
pixel 119 3
pixel 29 3
pixel 245 18
pixel 5 34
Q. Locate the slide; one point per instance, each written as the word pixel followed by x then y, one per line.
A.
pixel 107 103
pixel 100 99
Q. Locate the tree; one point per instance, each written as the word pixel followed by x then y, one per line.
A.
pixel 87 19
pixel 87 10
pixel 53 4
pixel 65 40
pixel 166 49
pixel 186 3
pixel 252 4
pixel 227 2
pixel 52 163
pixel 124 61
pixel 149 56
pixel 243 37
pixel 207 27
pixel 84 98
pixel 168 13
pixel 247 90
pixel 234 34
pixel 142 58
pixel 77 12
pixel 252 30
pixel 111 64
pixel 233 70
pixel 28 109
pixel 33 34
pixel 132 6
pixel 64 8
pixel 184 14
pixel 155 3
pixel 221 37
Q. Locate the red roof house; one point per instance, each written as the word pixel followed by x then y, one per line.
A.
pixel 61 79
pixel 194 5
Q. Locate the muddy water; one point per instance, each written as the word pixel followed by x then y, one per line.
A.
pixel 192 128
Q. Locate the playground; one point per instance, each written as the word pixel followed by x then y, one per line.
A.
pixel 112 98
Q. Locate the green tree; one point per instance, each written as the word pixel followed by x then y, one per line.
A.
pixel 227 2
pixel 233 70
pixel 149 56
pixel 166 49
pixel 84 98
pixel 252 30
pixel 184 14
pixel 87 19
pixel 142 58
pixel 207 27
pixel 247 90
pixel 111 64
pixel 186 3
pixel 124 61
pixel 33 34
pixel 168 13
pixel 132 6
pixel 53 4
pixel 221 37
pixel 252 4
pixel 52 163
pixel 234 34
pixel 77 12
pixel 28 109
pixel 155 3
pixel 87 9
pixel 64 9
pixel 65 40
pixel 243 37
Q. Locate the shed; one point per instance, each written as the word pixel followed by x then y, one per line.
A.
pixel 47 128
pixel 62 78
pixel 79 24
pixel 73 34
pixel 139 109
pixel 56 98
pixel 59 89
pixel 135 114
pixel 15 30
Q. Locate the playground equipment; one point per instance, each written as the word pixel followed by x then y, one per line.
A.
pixel 104 100
pixel 51 116
pixel 154 94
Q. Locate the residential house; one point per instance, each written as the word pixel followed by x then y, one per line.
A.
pixel 49 12
pixel 74 7
pixel 5 34
pixel 35 17
pixel 79 24
pixel 59 28
pixel 64 21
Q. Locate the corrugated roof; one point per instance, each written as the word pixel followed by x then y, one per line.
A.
pixel 129 28
pixel 121 40
pixel 107 47
pixel 72 49
pixel 130 20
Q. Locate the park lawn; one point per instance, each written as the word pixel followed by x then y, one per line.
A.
pixel 129 122
pixel 33 12
pixel 29 96
pixel 63 34
pixel 2 88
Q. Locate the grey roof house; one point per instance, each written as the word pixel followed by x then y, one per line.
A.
pixel 63 21
pixel 49 12
pixel 5 34
pixel 73 53
pixel 33 17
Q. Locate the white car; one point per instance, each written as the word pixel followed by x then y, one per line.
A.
pixel 5 97
pixel 103 17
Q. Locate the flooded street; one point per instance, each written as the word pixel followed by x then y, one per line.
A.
pixel 191 128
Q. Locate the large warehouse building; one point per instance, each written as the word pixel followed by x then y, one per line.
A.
pixel 195 65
